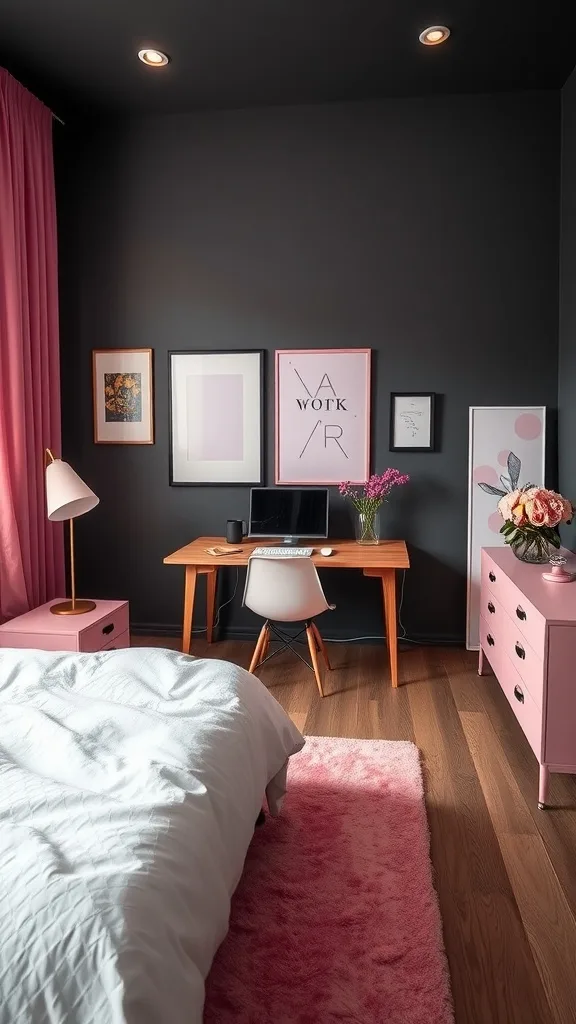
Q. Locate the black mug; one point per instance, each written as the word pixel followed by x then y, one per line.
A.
pixel 236 529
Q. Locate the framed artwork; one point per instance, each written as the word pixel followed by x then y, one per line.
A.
pixel 412 421
pixel 123 396
pixel 322 415
pixel 507 449
pixel 216 417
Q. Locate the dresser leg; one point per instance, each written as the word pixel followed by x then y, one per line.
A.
pixel 543 785
pixel 480 662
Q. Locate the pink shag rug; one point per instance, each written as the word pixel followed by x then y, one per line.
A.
pixel 335 918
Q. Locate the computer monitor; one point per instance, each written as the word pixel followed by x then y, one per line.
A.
pixel 289 512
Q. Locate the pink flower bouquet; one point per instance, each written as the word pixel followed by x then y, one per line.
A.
pixel 367 500
pixel 531 519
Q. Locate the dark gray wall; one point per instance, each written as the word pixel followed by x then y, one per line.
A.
pixel 424 229
pixel 567 349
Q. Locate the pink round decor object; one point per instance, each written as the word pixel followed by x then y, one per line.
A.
pixel 486 475
pixel 495 521
pixel 503 457
pixel 528 426
pixel 559 574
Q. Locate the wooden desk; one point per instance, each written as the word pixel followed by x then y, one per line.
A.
pixel 378 560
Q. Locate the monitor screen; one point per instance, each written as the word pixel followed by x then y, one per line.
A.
pixel 288 512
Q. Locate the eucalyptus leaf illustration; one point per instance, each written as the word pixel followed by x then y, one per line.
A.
pixel 514 466
pixel 506 482
pixel 492 490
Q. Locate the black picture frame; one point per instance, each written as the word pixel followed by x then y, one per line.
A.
pixel 393 447
pixel 259 482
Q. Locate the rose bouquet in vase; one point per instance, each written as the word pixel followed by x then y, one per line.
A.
pixel 367 500
pixel 531 519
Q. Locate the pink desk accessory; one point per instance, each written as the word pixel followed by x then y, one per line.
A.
pixel 559 573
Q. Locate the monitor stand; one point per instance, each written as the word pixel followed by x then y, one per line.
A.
pixel 291 541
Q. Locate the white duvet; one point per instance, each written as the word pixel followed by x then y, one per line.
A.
pixel 130 782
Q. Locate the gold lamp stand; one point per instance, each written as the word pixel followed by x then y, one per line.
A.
pixel 76 606
pixel 66 492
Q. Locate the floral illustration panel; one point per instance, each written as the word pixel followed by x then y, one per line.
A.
pixel 507 450
pixel 123 396
pixel 123 401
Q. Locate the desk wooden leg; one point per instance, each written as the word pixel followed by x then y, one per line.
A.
pixel 189 591
pixel 211 581
pixel 389 594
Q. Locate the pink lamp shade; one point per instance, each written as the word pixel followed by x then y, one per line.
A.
pixel 67 496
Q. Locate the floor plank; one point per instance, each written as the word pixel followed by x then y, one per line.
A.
pixel 507 807
pixel 483 931
pixel 547 919
pixel 504 871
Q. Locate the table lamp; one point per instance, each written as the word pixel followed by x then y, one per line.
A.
pixel 67 496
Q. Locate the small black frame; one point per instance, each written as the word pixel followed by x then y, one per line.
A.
pixel 416 447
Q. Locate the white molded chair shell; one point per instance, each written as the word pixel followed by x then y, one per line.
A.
pixel 284 589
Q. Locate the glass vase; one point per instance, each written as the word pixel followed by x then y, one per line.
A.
pixel 533 547
pixel 367 527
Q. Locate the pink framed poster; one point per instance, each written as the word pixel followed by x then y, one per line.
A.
pixel 322 415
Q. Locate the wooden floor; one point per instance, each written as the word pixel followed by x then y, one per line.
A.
pixel 505 872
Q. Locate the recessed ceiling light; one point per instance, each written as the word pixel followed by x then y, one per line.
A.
pixel 153 58
pixel 434 34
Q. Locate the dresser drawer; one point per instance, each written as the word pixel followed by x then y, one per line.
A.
pixel 525 709
pixel 528 664
pixel 530 623
pixel 102 633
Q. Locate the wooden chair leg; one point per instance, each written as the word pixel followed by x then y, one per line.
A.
pixel 321 645
pixel 257 650
pixel 265 645
pixel 314 656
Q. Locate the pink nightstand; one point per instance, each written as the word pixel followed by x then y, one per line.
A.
pixel 104 629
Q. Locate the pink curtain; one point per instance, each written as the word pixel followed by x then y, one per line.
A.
pixel 31 549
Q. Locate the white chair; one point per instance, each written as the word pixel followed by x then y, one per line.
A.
pixel 286 590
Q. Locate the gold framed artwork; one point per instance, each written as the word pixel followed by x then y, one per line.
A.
pixel 123 395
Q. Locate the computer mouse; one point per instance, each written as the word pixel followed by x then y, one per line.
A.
pixel 326 552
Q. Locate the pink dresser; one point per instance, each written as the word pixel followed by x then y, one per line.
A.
pixel 528 634
pixel 104 629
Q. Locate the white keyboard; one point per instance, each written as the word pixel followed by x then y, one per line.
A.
pixel 285 552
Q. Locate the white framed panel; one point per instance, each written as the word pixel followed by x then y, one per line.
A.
pixel 216 417
pixel 507 449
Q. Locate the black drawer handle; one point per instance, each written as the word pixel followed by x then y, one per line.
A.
pixel 108 628
pixel 490 640
pixel 520 651
pixel 518 694
pixel 521 613
pixel 491 608
pixel 491 577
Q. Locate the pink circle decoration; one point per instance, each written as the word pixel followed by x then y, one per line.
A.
pixel 528 426
pixel 495 522
pixel 503 457
pixel 486 475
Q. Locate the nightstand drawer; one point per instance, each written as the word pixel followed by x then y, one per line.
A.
pixel 38 641
pixel 102 633
pixel 87 632
pixel 121 641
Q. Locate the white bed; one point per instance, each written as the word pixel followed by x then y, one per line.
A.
pixel 130 782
